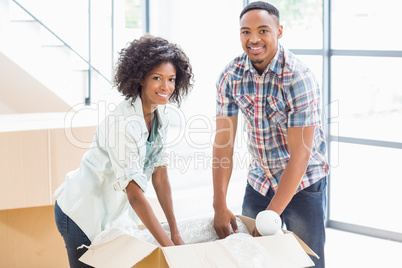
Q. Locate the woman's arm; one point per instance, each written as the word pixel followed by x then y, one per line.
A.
pixel 144 211
pixel 163 191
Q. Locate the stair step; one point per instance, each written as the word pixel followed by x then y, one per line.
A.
pixel 48 39
pixel 17 14
pixel 22 33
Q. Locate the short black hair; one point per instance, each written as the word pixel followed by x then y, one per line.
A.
pixel 261 5
pixel 141 56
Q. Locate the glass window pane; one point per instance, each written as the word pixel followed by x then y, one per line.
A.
pixel 366 25
pixel 133 21
pixel 133 18
pixel 365 186
pixel 367 97
pixel 129 22
pixel 302 23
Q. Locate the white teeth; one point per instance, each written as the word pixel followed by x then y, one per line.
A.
pixel 162 95
pixel 255 48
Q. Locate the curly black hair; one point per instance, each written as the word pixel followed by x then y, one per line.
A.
pixel 141 56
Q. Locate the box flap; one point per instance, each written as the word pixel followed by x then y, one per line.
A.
pixel 155 260
pixel 126 251
pixel 202 255
pixel 306 248
pixel 249 222
pixel 285 251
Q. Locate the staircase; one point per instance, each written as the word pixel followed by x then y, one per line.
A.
pixel 38 72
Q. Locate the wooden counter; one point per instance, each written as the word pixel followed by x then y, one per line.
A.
pixel 36 152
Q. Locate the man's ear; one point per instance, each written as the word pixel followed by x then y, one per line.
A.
pixel 280 31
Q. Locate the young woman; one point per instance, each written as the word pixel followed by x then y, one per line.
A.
pixel 127 150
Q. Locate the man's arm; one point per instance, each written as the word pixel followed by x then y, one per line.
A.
pixel 221 171
pixel 144 211
pixel 300 140
pixel 160 181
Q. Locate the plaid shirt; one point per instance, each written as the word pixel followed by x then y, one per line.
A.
pixel 285 95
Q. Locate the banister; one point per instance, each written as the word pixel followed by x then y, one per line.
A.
pixel 90 66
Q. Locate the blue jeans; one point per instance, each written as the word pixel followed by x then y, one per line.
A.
pixel 73 237
pixel 304 216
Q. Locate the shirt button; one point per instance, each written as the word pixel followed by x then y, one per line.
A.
pixel 125 166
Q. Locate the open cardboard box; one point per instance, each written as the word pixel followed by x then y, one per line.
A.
pixel 285 250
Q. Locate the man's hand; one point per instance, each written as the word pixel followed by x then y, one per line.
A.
pixel 255 233
pixel 223 219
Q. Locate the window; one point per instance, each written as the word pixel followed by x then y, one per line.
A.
pixel 366 25
pixel 365 134
pixel 365 186
pixel 369 97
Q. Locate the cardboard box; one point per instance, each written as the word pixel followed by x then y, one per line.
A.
pixel 29 238
pixel 285 250
pixel 36 153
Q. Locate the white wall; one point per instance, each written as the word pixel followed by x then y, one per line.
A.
pixel 6 109
pixel 208 32
pixel 22 93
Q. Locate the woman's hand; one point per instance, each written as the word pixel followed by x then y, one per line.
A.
pixel 163 191
pixel 176 238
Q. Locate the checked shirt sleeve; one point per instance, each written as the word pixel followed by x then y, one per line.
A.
pixel 225 105
pixel 303 98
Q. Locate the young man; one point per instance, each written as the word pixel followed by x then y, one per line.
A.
pixel 280 100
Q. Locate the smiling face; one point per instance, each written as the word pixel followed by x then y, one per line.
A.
pixel 158 85
pixel 259 34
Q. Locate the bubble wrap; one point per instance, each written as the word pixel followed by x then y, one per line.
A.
pixel 247 252
pixel 194 230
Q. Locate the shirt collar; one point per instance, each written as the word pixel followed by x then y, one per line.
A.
pixel 274 65
pixel 137 109
pixel 162 116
